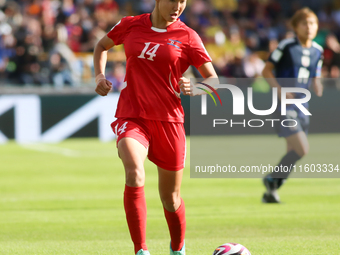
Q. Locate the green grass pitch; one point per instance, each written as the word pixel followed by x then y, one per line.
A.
pixel 67 199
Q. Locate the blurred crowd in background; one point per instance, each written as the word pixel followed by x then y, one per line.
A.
pixel 45 42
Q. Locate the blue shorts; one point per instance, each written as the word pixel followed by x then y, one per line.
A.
pixel 301 120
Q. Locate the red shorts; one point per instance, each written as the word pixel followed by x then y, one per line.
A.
pixel 165 140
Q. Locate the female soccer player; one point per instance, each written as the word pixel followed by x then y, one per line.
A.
pixel 298 58
pixel 159 48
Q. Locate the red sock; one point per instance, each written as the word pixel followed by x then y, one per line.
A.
pixel 135 210
pixel 177 225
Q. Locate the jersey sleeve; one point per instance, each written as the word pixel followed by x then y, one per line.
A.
pixel 120 30
pixel 276 56
pixel 198 55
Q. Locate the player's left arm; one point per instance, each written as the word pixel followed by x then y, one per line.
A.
pixel 198 57
pixel 317 85
pixel 208 73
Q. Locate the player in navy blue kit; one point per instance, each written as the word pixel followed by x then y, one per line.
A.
pixel 300 59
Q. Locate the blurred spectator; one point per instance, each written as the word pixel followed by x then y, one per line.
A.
pixel 107 12
pixel 222 5
pixel 253 66
pixel 65 67
pixel 60 71
pixel 235 67
pixel 117 77
pixel 46 41
pixel 332 57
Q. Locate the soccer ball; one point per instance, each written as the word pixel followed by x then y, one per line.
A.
pixel 231 249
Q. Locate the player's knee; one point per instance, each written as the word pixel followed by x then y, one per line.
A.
pixel 171 202
pixel 134 176
pixel 303 151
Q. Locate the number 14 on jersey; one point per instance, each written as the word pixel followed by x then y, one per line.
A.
pixel 151 52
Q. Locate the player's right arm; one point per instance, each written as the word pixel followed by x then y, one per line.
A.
pixel 99 62
pixel 268 74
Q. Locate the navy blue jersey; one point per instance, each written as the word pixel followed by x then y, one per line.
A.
pixel 300 64
pixel 291 60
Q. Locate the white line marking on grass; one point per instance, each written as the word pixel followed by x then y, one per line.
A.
pixel 103 154
pixel 52 149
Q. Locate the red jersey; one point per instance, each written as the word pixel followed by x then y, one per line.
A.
pixel 155 61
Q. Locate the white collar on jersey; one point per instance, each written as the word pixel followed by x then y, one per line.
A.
pixel 159 30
